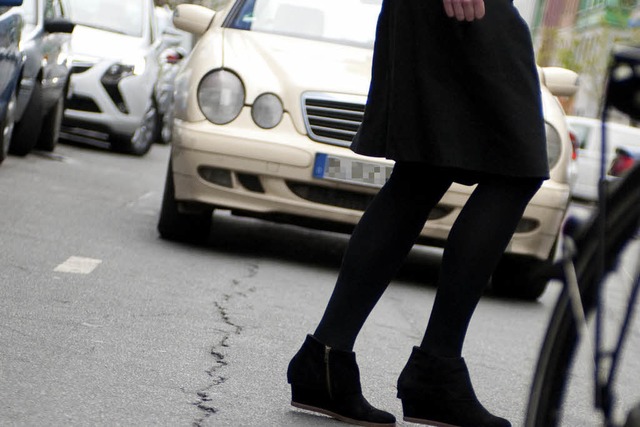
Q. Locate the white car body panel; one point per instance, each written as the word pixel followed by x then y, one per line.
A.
pixel 589 134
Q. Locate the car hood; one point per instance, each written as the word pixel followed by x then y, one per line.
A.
pixel 93 42
pixel 289 66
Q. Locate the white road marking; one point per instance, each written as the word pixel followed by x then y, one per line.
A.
pixel 78 265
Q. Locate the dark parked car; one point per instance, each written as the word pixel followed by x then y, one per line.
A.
pixel 10 65
pixel 45 73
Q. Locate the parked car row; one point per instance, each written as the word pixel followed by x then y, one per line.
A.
pixel 266 106
pixel 88 70
pixel 260 115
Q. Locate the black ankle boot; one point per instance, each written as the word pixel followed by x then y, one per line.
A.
pixel 438 391
pixel 327 381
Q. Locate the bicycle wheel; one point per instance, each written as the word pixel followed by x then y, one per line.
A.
pixel 561 339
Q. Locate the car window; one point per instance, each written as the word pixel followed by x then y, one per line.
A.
pixel 625 138
pixel 50 10
pixel 339 21
pixel 582 133
pixel 30 11
pixel 125 17
pixel 54 9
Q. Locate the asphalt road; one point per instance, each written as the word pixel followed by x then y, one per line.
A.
pixel 103 323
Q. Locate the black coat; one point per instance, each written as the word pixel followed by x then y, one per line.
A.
pixel 458 95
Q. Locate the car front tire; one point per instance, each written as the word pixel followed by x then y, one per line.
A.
pixel 175 224
pixel 51 123
pixel 143 138
pixel 520 277
pixel 27 130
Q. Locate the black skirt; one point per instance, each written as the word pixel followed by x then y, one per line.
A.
pixel 463 96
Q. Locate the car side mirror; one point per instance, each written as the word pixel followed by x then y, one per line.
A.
pixel 58 25
pixel 193 18
pixel 559 81
pixel 10 2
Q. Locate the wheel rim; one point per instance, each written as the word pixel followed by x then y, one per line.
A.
pixel 143 136
pixel 7 131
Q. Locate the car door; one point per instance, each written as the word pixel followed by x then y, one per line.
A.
pixel 10 65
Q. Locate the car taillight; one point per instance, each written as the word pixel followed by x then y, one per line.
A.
pixel 554 145
pixel 621 163
pixel 575 145
pixel 173 57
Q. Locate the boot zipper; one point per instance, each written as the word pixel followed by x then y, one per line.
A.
pixel 327 350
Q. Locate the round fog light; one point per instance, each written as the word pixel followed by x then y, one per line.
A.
pixel 267 111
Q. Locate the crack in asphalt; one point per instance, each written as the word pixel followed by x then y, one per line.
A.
pixel 205 402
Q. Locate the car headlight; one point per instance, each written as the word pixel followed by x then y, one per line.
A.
pixel 554 145
pixel 111 80
pixel 221 96
pixel 125 68
pixel 267 111
pixel 117 72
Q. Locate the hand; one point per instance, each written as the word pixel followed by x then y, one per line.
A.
pixel 464 10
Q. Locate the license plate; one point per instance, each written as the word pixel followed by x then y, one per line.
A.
pixel 352 171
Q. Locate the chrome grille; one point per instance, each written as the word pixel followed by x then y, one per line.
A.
pixel 332 118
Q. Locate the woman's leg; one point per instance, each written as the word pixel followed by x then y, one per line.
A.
pixel 435 386
pixel 323 374
pixel 476 242
pixel 378 246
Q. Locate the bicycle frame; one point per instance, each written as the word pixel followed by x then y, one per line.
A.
pixel 591 250
pixel 623 93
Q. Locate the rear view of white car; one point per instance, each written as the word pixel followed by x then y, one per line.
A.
pixel 114 49
pixel 589 134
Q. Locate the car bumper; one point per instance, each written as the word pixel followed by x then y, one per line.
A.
pixel 270 173
pixel 90 106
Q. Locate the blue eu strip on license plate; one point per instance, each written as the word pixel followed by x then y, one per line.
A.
pixel 352 171
pixel 318 168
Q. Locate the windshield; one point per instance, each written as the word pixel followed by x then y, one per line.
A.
pixel 340 21
pixel 581 132
pixel 124 17
pixel 30 12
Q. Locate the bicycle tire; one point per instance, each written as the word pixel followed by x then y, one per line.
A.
pixel 561 339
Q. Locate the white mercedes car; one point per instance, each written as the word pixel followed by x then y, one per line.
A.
pixel 265 109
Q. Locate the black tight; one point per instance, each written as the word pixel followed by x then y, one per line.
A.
pixel 389 228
